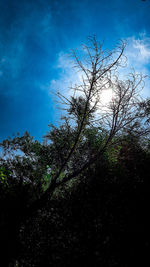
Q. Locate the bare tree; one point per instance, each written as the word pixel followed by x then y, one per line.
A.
pixel 98 68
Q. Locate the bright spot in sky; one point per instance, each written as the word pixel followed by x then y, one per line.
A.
pixel 106 96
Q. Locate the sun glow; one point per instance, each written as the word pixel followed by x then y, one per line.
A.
pixel 106 96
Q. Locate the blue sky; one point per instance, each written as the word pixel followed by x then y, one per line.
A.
pixel 35 37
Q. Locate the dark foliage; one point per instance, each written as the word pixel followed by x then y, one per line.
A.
pixel 102 221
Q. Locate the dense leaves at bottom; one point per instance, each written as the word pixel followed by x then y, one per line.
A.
pixel 107 226
pixel 101 219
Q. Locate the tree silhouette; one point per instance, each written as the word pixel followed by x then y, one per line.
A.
pixel 99 72
pixel 43 168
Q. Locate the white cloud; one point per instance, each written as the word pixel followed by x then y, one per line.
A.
pixel 138 58
pixel 68 75
pixel 144 51
pixel 138 51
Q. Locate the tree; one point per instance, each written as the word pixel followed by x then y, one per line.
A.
pixel 44 167
pixel 98 68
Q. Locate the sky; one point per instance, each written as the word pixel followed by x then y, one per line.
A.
pixel 35 38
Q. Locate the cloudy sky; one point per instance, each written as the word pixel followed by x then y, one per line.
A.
pixel 35 37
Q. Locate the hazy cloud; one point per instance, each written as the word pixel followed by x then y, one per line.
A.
pixel 138 58
pixel 138 52
pixel 68 75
